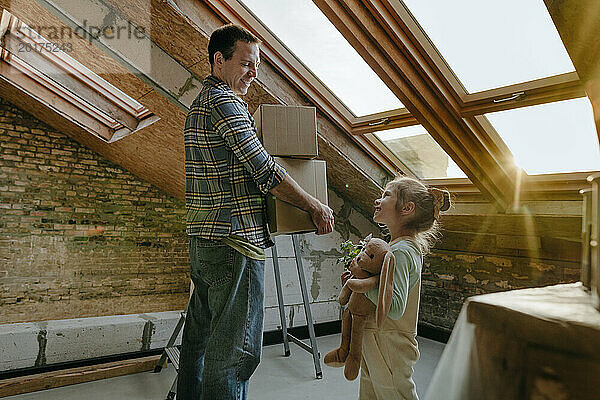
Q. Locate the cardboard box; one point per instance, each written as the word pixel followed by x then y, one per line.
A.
pixel 287 131
pixel 283 217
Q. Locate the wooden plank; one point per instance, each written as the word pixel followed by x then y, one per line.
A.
pixel 72 376
pixel 578 24
pixel 558 207
pixel 524 225
pixel 545 248
pixel 561 249
pixel 593 89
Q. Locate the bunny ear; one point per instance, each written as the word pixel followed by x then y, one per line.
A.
pixel 386 287
pixel 369 237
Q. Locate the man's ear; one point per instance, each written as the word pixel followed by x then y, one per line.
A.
pixel 407 208
pixel 386 288
pixel 218 58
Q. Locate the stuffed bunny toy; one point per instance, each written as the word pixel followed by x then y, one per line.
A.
pixel 372 267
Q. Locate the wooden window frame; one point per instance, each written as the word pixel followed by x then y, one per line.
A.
pixel 473 106
pixel 469 106
pixel 65 86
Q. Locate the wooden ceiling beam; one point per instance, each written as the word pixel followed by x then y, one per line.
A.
pixel 378 35
pixel 578 24
pixel 593 89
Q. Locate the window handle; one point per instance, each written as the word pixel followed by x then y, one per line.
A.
pixel 381 122
pixel 514 96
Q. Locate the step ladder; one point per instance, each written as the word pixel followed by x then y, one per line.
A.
pixel 171 352
pixel 312 348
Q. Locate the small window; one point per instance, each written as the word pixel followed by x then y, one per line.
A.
pixel 52 77
pixel 415 147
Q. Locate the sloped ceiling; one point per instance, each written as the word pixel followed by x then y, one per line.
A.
pixel 156 153
pixel 578 24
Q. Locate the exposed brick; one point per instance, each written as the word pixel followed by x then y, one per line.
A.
pixel 31 161
pixel 10 157
pixel 56 254
pixel 9 145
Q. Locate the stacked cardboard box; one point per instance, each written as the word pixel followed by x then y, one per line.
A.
pixel 290 134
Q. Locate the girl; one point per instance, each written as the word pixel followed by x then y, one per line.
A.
pixel 410 211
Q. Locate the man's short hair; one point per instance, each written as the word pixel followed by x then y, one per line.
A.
pixel 224 39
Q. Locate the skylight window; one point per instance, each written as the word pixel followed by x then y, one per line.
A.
pixel 319 45
pixel 551 138
pixel 44 71
pixel 420 152
pixel 489 43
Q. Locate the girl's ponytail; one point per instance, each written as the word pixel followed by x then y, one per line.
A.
pixel 441 201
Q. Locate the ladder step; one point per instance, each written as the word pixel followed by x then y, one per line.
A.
pixel 300 343
pixel 173 354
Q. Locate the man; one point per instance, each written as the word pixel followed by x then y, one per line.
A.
pixel 228 173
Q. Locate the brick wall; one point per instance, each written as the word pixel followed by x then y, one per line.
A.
pixel 489 253
pixel 80 236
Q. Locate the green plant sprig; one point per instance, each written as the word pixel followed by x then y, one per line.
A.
pixel 350 251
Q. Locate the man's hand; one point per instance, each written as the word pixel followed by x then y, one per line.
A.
pixel 322 217
pixel 290 192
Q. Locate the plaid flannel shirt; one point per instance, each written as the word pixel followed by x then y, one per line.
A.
pixel 227 169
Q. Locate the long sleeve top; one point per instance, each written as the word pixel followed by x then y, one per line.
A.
pixel 228 171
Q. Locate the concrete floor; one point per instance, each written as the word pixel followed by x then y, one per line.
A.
pixel 277 377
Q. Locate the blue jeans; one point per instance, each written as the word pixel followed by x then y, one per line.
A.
pixel 222 336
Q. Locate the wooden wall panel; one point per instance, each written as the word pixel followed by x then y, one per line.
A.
pixel 486 253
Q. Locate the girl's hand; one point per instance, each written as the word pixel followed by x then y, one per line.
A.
pixel 345 276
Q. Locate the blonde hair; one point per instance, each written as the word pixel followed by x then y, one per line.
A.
pixel 428 204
